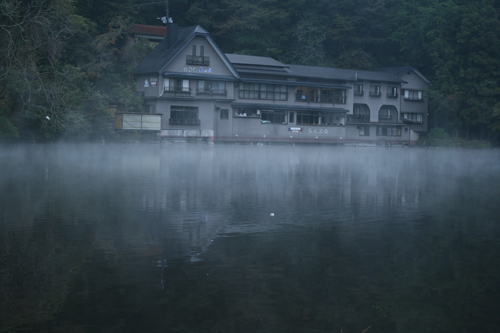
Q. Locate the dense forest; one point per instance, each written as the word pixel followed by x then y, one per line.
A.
pixel 63 62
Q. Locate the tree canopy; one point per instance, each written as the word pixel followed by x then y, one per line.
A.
pixel 64 62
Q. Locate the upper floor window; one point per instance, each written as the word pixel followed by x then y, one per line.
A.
pixel 211 87
pixel 413 117
pixel 176 85
pixel 375 90
pixel 384 114
pixel 392 91
pixel 195 59
pixel 413 95
pixel 275 92
pixel 358 90
pixel 320 95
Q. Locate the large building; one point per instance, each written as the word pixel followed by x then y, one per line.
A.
pixel 192 89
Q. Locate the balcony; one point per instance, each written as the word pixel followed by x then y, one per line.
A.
pixel 375 94
pixel 197 60
pixel 174 121
pixel 177 91
pixel 211 92
pixel 392 95
pixel 358 118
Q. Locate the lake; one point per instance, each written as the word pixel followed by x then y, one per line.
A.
pixel 248 238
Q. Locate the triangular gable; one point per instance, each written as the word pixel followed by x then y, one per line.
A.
pixel 399 71
pixel 159 59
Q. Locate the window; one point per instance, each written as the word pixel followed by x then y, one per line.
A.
pixel 339 96
pixel 247 113
pixel 375 90
pixel 211 87
pixel 194 59
pixel 361 112
pixel 388 131
pixel 364 130
pixel 320 118
pixel 308 118
pixel 320 95
pixel 413 117
pixel 326 95
pixel 224 113
pixel 275 92
pixel 148 108
pixel 358 90
pixel 413 95
pixel 184 115
pixel 384 114
pixel 392 91
pixel 273 116
pixel 291 117
pixel 176 85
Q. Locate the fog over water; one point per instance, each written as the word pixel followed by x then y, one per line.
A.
pixel 246 238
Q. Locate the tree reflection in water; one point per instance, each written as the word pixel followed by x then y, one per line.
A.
pixel 180 238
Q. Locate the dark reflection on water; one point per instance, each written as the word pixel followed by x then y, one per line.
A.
pixel 181 239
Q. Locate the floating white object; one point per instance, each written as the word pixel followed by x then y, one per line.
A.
pixel 272 214
pixel 48 118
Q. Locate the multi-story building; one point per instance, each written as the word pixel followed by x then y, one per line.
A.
pixel 198 91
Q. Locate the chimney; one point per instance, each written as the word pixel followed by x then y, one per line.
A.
pixel 172 34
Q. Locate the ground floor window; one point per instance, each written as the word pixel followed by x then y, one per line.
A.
pixel 364 130
pixel 413 117
pixel 148 108
pixel 388 131
pixel 247 113
pixel 224 113
pixel 274 117
pixel 184 115
pixel 320 118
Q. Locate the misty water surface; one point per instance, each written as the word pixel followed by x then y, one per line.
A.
pixel 240 238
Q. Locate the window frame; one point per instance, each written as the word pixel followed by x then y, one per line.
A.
pixel 409 95
pixel 184 115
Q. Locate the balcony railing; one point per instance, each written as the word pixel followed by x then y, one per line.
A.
pixel 375 94
pixel 359 93
pixel 392 95
pixel 174 121
pixel 197 60
pixel 358 118
pixel 212 92
pixel 177 91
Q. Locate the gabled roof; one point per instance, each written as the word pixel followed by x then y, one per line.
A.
pixel 400 70
pixel 164 53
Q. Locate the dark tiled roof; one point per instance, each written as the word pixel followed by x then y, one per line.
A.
pixel 400 70
pixel 161 56
pixel 328 73
pixel 241 59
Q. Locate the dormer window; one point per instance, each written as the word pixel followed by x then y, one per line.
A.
pixel 194 59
